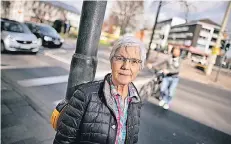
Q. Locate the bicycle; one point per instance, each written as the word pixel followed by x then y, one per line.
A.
pixel 152 88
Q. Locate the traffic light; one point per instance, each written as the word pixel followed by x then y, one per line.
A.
pixel 223 43
pixel 227 46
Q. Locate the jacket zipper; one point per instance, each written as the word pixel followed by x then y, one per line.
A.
pixel 126 141
pixel 116 123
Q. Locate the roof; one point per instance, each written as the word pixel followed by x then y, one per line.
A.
pixel 208 21
pixel 185 24
pixel 163 21
pixel 64 6
pixel 194 22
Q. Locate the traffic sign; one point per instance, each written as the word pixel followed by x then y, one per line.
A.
pixel 216 50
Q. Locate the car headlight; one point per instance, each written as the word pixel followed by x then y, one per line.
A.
pixel 47 38
pixel 61 40
pixel 11 38
pixel 34 41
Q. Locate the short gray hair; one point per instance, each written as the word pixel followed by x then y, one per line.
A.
pixel 129 41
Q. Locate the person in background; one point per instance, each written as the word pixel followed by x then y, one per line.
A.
pixel 171 78
pixel 107 111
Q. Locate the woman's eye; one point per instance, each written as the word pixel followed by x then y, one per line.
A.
pixel 134 61
pixel 119 58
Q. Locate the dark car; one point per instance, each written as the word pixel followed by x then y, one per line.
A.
pixel 47 35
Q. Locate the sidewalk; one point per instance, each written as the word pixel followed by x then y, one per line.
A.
pixel 21 124
pixel 190 72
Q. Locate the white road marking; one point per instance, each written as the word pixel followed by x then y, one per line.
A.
pixel 54 80
pixel 68 61
pixel 57 58
pixel 43 81
pixel 19 67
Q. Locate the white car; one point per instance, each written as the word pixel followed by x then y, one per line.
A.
pixel 199 59
pixel 16 36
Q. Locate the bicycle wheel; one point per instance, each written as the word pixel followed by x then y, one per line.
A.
pixel 146 90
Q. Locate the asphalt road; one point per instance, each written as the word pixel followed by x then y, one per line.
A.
pixel 199 114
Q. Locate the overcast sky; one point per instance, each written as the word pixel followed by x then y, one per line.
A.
pixel 213 10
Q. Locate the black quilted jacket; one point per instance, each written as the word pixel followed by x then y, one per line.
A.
pixel 89 117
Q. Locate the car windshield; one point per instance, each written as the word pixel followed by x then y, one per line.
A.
pixel 14 27
pixel 48 30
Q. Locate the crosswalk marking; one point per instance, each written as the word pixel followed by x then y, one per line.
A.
pixel 43 81
pixel 54 80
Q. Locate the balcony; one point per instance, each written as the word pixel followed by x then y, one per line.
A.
pixel 201 41
pixel 204 33
pixel 212 43
pixel 215 36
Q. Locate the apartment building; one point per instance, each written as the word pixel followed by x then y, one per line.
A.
pixel 201 34
pixel 160 38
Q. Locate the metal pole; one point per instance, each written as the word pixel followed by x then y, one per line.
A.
pixel 217 75
pixel 213 57
pixel 84 61
pixel 153 30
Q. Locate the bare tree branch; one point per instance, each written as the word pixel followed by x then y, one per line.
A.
pixel 126 11
pixel 187 6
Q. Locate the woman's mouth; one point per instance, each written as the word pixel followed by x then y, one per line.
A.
pixel 124 74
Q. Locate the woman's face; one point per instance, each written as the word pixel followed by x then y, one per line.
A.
pixel 125 65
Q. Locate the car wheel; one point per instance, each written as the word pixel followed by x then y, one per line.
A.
pixel 60 46
pixel 2 47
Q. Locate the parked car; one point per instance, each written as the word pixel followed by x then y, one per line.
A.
pixel 200 59
pixel 17 37
pixel 46 34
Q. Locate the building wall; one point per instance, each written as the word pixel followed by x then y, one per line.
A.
pixel 39 10
pixel 208 36
pixel 163 29
pixel 182 35
pixel 200 35
pixel 161 34
pixel 196 34
pixel 177 21
pixel 205 37
pixel 17 11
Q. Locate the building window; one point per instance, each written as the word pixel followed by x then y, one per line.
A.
pixel 216 31
pixel 202 37
pixel 180 29
pixel 200 45
pixel 214 39
pixel 207 30
pixel 187 42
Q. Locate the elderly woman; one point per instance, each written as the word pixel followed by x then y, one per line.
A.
pixel 107 111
